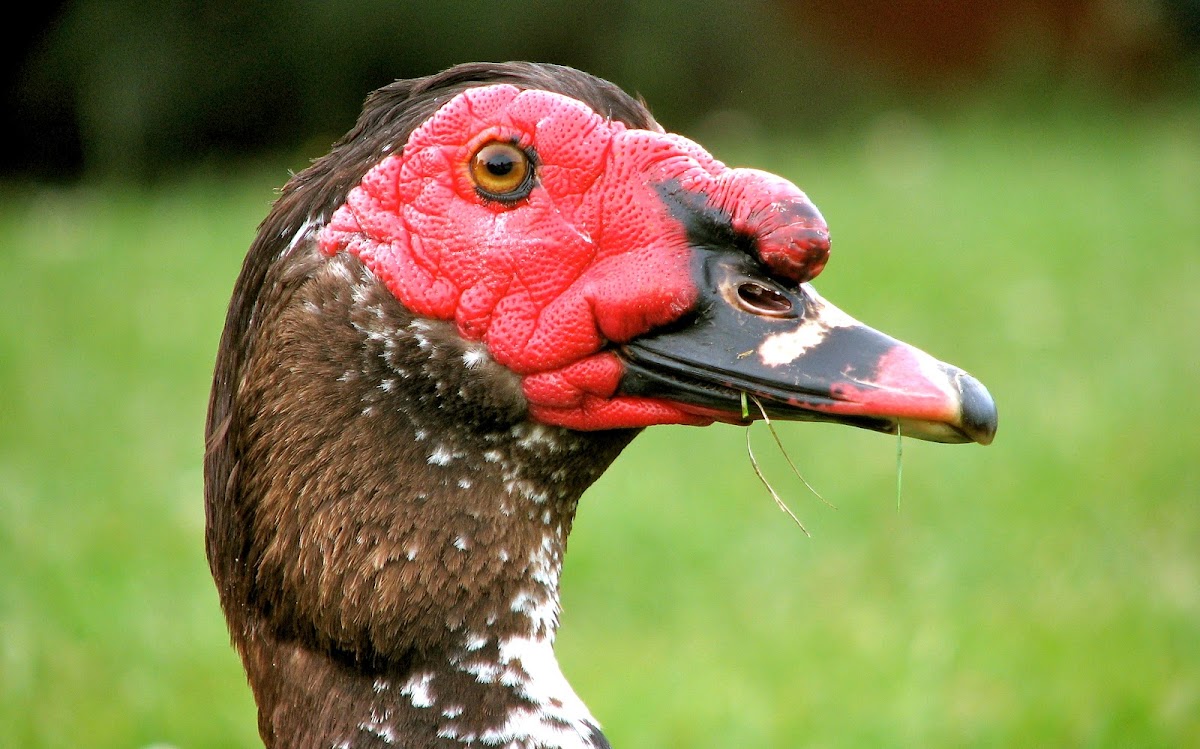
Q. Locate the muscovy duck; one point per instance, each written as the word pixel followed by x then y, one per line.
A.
pixel 444 331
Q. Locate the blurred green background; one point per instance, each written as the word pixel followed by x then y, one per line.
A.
pixel 1013 187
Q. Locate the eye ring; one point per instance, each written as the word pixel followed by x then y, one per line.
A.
pixel 502 171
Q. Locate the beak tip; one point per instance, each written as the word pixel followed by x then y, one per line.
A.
pixel 979 418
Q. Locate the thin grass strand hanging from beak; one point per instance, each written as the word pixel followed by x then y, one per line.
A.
pixel 774 494
pixel 788 458
pixel 899 466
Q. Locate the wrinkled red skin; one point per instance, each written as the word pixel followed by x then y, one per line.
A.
pixel 590 257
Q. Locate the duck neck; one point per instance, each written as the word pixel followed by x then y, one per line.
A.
pixel 387 529
pixel 489 677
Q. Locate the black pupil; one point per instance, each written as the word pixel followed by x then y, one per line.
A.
pixel 500 164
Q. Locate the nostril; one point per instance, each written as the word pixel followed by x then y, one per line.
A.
pixel 763 300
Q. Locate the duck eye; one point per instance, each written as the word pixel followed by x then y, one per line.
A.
pixel 502 171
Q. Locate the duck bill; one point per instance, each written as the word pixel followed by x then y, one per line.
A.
pixel 786 353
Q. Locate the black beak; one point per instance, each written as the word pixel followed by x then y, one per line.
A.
pixel 752 338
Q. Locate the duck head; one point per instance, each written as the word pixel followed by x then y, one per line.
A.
pixel 629 278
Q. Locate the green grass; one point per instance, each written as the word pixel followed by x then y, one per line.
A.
pixel 1044 591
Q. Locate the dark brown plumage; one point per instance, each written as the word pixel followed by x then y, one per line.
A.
pixel 309 496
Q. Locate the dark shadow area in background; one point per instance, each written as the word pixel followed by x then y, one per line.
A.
pixel 118 88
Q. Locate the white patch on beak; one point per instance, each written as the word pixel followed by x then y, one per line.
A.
pixel 785 348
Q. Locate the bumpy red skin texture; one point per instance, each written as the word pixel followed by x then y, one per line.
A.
pixel 590 257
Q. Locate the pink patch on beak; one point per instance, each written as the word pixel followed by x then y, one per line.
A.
pixel 909 384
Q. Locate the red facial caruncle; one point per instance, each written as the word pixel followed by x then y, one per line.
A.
pixel 588 252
